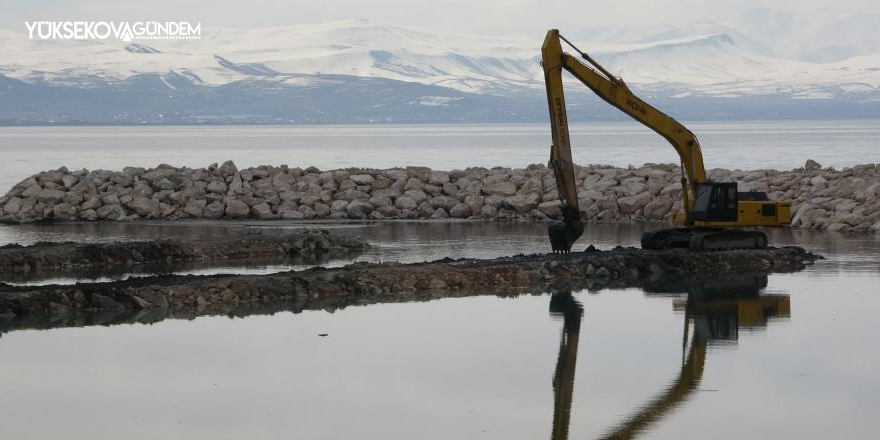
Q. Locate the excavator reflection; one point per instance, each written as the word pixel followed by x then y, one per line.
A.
pixel 714 311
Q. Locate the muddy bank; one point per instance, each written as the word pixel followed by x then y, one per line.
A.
pixel 310 244
pixel 363 283
pixel 698 285
pixel 822 198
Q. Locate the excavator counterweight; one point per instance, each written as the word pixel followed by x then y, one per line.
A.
pixel 709 208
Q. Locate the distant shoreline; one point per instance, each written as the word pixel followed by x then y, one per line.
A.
pixel 610 120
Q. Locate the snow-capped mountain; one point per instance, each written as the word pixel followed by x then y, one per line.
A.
pixel 416 67
pixel 813 35
pixel 810 35
pixel 351 47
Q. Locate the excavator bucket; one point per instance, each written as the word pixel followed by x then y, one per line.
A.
pixel 563 234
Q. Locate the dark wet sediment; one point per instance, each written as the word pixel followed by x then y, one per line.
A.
pixel 154 298
pixel 247 244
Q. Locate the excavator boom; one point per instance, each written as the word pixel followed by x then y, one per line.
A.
pixel 707 205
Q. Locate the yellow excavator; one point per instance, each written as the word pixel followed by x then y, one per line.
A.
pixel 710 208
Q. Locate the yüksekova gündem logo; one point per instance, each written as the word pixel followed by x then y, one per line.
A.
pixel 102 30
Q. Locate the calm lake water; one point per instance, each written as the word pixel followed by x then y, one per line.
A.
pixel 745 145
pixel 797 361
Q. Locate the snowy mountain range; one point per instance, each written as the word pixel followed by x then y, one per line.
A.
pixel 356 71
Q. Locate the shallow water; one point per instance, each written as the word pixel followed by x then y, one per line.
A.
pixel 800 365
pixel 403 241
pixel 745 145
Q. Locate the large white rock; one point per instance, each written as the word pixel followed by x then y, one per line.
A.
pixel 283 182
pixel 144 207
pixel 362 179
pixel 797 218
pixel 475 202
pixel 64 211
pixel 633 185
pixel 31 191
pixel 522 204
pixel 262 211
pixel 237 209
pixel 12 206
pixel 405 202
pixel 227 169
pixel 413 183
pixel 380 201
pixel 844 205
pixel 237 185
pixel 396 174
pixel 444 202
pixel 504 189
pixel 69 181
pixel 358 209
pixel 216 187
pixel 50 195
pixel 438 178
pixel 290 214
pixel 440 214
pixel 194 208
pixel 309 213
pixel 658 208
pixel 631 204
pixel 552 209
pixel 338 206
pixel 111 212
pixel 460 210
pixel 417 195
pixel 213 210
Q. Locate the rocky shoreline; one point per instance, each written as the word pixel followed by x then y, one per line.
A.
pixel 309 244
pixel 822 198
pixel 361 283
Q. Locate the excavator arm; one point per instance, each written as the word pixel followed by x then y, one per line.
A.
pixel 705 203
pixel 615 92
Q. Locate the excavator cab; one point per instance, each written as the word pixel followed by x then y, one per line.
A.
pixel 716 201
pixel 720 204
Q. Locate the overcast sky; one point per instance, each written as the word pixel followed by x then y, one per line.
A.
pixel 477 16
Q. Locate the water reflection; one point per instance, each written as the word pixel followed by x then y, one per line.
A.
pixel 714 311
pixel 390 371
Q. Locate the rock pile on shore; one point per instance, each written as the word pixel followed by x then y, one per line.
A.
pixel 821 198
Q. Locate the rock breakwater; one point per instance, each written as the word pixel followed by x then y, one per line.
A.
pixel 822 198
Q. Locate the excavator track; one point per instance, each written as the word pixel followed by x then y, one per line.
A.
pixel 704 239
